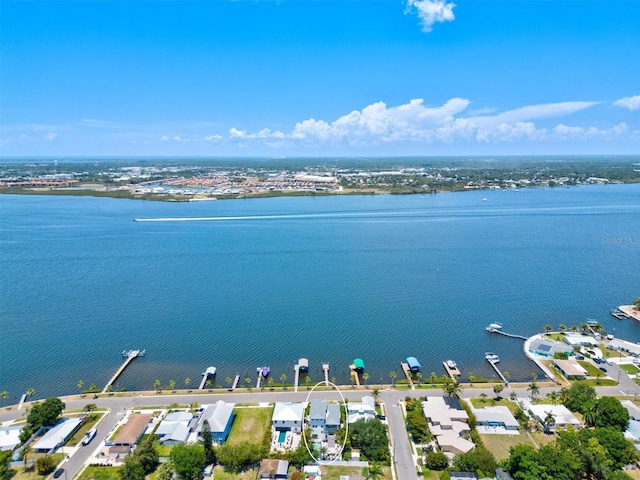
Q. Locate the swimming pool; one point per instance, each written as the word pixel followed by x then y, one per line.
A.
pixel 282 437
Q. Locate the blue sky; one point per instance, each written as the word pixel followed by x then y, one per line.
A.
pixel 319 77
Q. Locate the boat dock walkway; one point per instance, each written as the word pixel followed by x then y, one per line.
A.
pixel 259 380
pixel 491 329
pixel 130 356
pixel 495 367
pixel 296 377
pixel 209 372
pixel 407 373
pixel 325 367
pixel 22 400
pixel 235 382
pixel 354 374
pixel 452 372
pixel 619 314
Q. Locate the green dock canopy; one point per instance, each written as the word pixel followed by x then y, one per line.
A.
pixel 358 363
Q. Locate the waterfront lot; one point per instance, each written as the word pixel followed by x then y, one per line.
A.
pixel 250 425
pixel 330 472
pixel 101 473
pixel 499 445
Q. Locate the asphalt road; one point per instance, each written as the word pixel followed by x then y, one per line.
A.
pixel 401 449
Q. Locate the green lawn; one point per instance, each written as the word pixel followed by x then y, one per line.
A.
pixel 30 472
pixel 499 445
pixel 220 474
pixel 592 370
pixel 100 473
pixel 631 369
pixel 491 401
pixel 558 337
pixel 77 437
pixel 250 425
pixel 330 472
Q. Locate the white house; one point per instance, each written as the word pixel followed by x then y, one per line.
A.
pixel 561 414
pixel 364 410
pixel 174 428
pixel 288 416
pixel 498 418
pixel 448 423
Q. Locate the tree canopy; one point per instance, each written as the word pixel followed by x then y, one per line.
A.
pixel 370 437
pixel 45 414
pixel 188 460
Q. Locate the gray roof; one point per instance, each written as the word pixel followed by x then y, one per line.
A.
pixel 498 414
pixel 318 410
pixel 333 414
pixel 549 347
pixel 217 415
pixel 59 432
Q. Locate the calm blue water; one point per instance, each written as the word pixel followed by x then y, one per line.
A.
pixel 330 278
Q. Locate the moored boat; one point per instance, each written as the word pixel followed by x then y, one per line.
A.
pixel 492 357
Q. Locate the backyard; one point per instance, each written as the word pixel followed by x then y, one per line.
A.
pixel 250 425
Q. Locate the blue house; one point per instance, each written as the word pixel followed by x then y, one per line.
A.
pixel 220 416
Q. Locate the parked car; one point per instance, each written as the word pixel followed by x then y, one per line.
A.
pixel 603 369
pixel 58 473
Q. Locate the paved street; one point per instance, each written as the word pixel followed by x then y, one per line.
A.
pixel 118 405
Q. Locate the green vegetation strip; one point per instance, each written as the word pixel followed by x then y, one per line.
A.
pixel 101 473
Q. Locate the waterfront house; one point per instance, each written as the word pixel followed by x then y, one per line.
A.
pixel 130 433
pixel 571 369
pixel 287 416
pixel 578 340
pixel 498 419
pixel 10 437
pixel 333 418
pixel 220 416
pixel 364 410
pixel 318 418
pixel 546 348
pixel 174 428
pixel 563 418
pixel 622 345
pixel 448 422
pixel 57 435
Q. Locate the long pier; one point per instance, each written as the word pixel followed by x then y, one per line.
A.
pixel 495 367
pixel 259 380
pixel 325 367
pixel 296 377
pixel 407 373
pixel 510 335
pixel 235 382
pixel 210 372
pixel 130 355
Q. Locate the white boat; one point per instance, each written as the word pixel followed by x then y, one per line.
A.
pixel 451 364
pixel 492 357
pixel 493 327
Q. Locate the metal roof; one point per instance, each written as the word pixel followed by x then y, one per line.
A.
pixel 359 363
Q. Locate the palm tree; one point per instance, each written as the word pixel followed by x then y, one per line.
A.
pixel 418 377
pixel 549 421
pixel 393 376
pixel 248 382
pixel 553 396
pixel 497 388
pixel 574 328
pixel 513 396
pixel 172 385
pixel 376 394
pixel 31 392
pixel 585 327
pixel 365 377
pixel 533 386
pixel 483 397
pixel 562 327
pixel 4 396
pixel 283 378
pixel 26 450
pixel 506 375
pixel 157 385
pixel 187 381
pixel 228 380
pixel 372 472
pixel 109 388
pixel 80 385
pixel 209 384
pixel 452 389
pixel 548 328
pixel 589 414
pixel 433 377
pixel 471 378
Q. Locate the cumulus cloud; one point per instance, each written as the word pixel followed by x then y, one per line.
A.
pixel 631 103
pixel 415 122
pixel 431 11
pixel 213 138
pixel 51 136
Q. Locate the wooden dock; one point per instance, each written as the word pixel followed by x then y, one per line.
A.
pixel 495 367
pixel 510 335
pixel 325 367
pixel 130 355
pixel 296 377
pixel 619 314
pixel 454 373
pixel 354 374
pixel 407 373
pixel 235 382
pixel 209 372
pixel 259 380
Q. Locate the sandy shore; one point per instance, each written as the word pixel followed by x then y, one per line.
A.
pixel 628 309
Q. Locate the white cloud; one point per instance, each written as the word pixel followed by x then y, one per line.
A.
pixel 431 11
pixel 631 103
pixel 413 122
pixel 213 138
pixel 51 136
